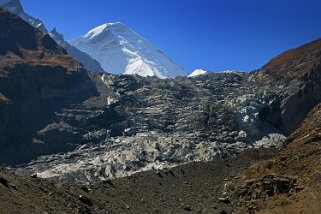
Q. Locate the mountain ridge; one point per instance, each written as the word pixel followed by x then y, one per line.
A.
pixel 88 62
pixel 15 7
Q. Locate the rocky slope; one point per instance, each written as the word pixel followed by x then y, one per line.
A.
pixel 287 183
pixel 297 73
pixel 37 78
pixel 192 188
pixel 256 181
pixel 140 124
pixel 15 7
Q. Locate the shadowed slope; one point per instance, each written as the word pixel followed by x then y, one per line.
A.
pixel 37 78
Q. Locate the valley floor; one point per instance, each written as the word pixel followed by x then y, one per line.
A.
pixel 191 188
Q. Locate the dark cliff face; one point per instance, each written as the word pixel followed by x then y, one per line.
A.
pixel 21 43
pixel 297 74
pixel 13 38
pixel 37 78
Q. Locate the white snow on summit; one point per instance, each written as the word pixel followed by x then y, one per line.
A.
pixel 120 50
pixel 98 30
pixel 197 72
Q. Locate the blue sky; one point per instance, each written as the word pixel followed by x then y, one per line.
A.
pixel 211 34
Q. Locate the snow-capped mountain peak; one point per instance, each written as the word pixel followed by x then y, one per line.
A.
pixel 197 72
pixel 120 50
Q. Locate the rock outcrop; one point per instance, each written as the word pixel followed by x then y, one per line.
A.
pixel 297 74
pixel 287 183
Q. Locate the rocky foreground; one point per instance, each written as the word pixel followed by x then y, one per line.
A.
pixel 256 181
pixel 290 182
pixel 192 188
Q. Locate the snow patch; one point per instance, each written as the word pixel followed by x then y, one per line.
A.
pixel 197 72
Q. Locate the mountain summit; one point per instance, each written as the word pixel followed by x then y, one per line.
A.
pixel 120 50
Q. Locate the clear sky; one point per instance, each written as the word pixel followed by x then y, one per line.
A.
pixel 211 34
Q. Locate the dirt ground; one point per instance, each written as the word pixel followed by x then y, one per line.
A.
pixel 192 188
